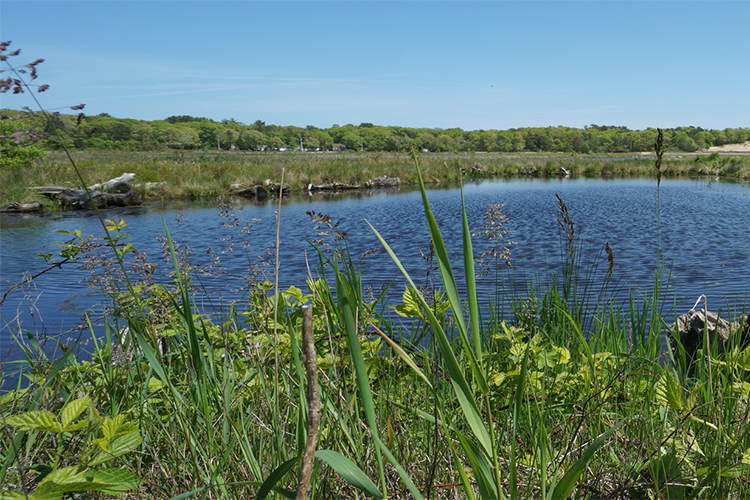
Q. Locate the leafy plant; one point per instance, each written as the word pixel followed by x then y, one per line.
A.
pixel 116 437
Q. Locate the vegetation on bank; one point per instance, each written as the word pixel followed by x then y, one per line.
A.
pixel 265 396
pixel 564 399
pixel 205 174
pixel 104 132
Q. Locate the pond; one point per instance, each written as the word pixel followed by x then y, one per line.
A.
pixel 704 228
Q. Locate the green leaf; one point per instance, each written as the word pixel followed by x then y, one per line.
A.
pixel 349 471
pixel 451 290
pixel 73 410
pixel 121 445
pixel 403 355
pixel 111 425
pixel 114 481
pixel 35 421
pixel 568 481
pixel 275 476
pixel 463 392
pixel 66 480
pixel 471 285
pixel 481 467
pixel 669 391
pixel 743 360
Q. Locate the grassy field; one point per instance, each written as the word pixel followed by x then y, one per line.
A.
pixel 566 399
pixel 205 175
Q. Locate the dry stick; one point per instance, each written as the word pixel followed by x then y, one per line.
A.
pixel 276 300
pixel 310 360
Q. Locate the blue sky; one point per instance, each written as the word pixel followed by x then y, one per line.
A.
pixel 474 65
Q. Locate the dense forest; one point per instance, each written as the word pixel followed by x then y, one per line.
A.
pixel 104 132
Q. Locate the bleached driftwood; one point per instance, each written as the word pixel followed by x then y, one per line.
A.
pixel 105 186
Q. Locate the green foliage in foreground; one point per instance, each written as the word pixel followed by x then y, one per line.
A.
pixel 560 402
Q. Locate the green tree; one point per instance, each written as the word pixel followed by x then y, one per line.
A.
pixel 251 139
pixel 181 137
pixel 17 155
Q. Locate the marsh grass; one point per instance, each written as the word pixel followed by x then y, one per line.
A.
pixel 205 174
pixel 571 398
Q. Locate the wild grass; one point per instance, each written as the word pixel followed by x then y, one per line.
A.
pixel 567 399
pixel 205 174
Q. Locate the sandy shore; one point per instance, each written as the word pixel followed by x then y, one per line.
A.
pixel 731 148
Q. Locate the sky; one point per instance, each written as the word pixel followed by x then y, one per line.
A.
pixel 473 65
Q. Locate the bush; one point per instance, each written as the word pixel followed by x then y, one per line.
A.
pixel 14 155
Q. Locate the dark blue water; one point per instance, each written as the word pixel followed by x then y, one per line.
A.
pixel 704 236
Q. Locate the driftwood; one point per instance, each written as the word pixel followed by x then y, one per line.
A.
pixel 258 192
pixel 110 184
pixel 333 186
pixel 122 194
pixel 313 403
pixel 273 188
pixel 376 183
pixel 22 208
pixel 383 182
pixel 690 329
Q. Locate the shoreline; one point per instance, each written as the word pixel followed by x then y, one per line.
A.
pixel 202 175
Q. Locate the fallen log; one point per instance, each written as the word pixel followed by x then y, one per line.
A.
pixel 79 198
pixel 332 186
pixel 383 182
pixel 122 194
pixel 22 208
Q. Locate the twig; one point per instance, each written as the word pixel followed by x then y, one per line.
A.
pixel 31 278
pixel 310 360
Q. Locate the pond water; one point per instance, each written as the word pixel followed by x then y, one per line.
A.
pixel 705 228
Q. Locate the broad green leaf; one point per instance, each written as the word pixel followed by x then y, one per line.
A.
pixel 114 481
pixel 410 307
pixel 669 391
pixel 73 410
pixel 121 445
pixel 68 479
pixel 35 421
pixel 746 457
pixel 743 360
pixel 275 476
pixel 111 425
pixel 569 480
pixel 349 471
pixel 37 495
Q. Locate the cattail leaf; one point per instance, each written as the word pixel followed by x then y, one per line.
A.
pixel 569 480
pixel 276 476
pixel 449 282
pixel 481 467
pixel 471 285
pixel 464 394
pixel 403 355
pixel 349 471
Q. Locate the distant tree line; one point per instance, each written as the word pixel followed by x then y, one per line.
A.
pixel 104 132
